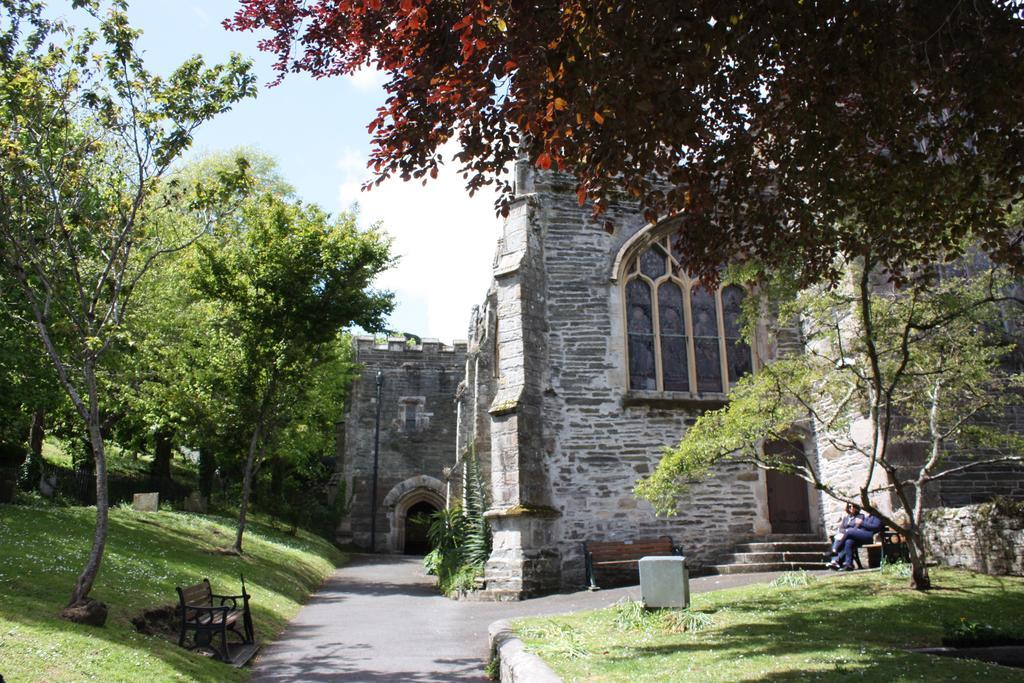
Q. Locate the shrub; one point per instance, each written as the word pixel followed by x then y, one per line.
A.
pixel 460 538
pixel 967 633
pixel 686 620
pixel 899 569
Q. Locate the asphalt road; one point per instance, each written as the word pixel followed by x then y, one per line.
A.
pixel 379 618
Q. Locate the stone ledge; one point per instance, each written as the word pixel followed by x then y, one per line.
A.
pixel 673 399
pixel 541 511
pixel 506 400
pixel 515 664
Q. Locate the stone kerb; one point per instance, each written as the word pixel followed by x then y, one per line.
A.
pixel 515 664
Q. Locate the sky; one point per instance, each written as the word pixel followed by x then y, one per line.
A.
pixel 316 129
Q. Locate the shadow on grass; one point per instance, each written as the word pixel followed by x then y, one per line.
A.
pixel 147 556
pixel 843 627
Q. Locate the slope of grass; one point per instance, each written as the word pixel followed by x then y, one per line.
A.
pixel 120 462
pixel 148 554
pixel 842 628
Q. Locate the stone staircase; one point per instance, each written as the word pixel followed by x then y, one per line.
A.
pixel 773 553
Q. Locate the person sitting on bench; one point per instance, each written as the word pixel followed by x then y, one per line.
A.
pixel 846 522
pixel 862 533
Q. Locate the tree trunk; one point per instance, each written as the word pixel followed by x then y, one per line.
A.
pixel 163 451
pixel 919 579
pixel 207 466
pixel 276 477
pixel 247 486
pixel 99 541
pixel 36 434
pixel 33 468
pixel 250 461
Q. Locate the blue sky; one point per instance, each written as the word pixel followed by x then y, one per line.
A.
pixel 316 129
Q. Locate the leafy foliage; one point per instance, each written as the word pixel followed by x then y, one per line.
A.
pixel 926 364
pixel 88 136
pixel 969 633
pixel 477 546
pixel 286 279
pixel 788 132
pixel 460 537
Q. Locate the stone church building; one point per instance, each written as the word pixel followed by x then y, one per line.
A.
pixel 590 353
pixel 415 441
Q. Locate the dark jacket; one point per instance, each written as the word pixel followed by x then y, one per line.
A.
pixel 872 524
pixel 848 522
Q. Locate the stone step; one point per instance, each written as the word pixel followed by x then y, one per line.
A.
pixel 785 538
pixel 755 567
pixel 749 558
pixel 784 547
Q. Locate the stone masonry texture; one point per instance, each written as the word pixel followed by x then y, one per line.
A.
pixel 540 394
pixel 417 434
pixel 977 537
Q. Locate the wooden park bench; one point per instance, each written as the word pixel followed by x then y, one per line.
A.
pixel 209 621
pixel 623 555
pixel 888 546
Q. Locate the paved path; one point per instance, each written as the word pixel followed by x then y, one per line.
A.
pixel 380 618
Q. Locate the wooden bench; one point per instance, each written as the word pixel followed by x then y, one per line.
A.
pixel 207 620
pixel 623 555
pixel 888 546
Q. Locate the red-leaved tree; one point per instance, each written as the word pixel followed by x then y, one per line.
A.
pixel 787 131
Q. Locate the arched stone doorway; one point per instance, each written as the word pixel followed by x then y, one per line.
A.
pixel 404 502
pixel 416 541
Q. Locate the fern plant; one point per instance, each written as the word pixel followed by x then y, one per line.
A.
pixel 460 537
pixel 478 532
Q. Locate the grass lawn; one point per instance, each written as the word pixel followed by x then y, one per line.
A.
pixel 838 628
pixel 42 549
pixel 121 462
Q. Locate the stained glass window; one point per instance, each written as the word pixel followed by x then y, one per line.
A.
pixel 675 345
pixel 671 315
pixel 705 339
pixel 640 322
pixel 652 263
pixel 737 352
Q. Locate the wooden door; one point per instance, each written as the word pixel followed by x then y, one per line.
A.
pixel 788 506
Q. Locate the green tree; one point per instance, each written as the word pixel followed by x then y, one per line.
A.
pixel 887 372
pixel 87 134
pixel 289 279
pixel 171 371
pixel 30 386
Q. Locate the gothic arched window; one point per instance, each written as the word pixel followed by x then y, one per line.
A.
pixel 680 336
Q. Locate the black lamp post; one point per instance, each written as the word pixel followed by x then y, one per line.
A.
pixel 376 461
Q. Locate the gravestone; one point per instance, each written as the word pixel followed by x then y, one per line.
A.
pixel 196 502
pixel 146 502
pixel 664 582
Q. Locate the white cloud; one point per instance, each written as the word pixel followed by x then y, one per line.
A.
pixel 367 78
pixel 445 239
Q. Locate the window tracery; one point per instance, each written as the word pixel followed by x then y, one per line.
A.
pixel 681 337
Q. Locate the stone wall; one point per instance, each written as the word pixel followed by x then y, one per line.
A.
pixel 546 397
pixel 982 538
pixel 568 438
pixel 417 434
